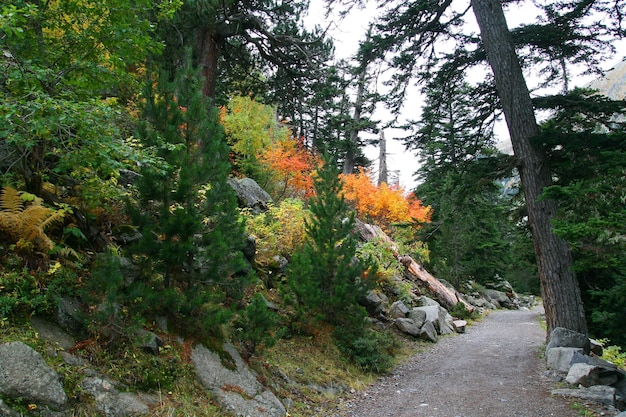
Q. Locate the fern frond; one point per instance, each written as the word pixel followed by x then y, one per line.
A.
pixel 11 201
pixel 25 225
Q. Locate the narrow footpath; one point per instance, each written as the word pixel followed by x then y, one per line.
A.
pixel 495 369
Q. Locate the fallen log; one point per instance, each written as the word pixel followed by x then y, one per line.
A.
pixel 447 297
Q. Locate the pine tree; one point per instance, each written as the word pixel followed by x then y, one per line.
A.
pixel 191 233
pixel 326 276
pixel 459 169
pixel 585 144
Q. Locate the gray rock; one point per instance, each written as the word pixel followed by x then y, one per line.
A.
pixel 606 373
pixel 6 411
pixel 499 298
pixel 598 362
pixel 562 337
pixel 432 312
pixel 24 374
pixel 418 316
pixel 129 269
pixel 479 302
pixel 459 326
pixel 599 394
pixel 72 360
pixel 148 341
pixel 596 347
pixel 373 303
pixel 69 316
pixel 439 317
pixel 270 305
pixel 279 264
pixel 424 301
pixel 112 403
pixel 428 332
pixel 128 177
pixel 250 194
pixel 446 325
pixel 621 386
pixel 236 389
pixel 52 333
pixel 560 358
pixel 398 309
pixel 249 251
pixel 588 375
pixel 408 326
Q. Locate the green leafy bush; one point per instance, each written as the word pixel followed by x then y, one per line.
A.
pixel 25 292
pixel 278 231
pixel 613 354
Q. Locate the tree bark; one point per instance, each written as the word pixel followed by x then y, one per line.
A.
pixel 208 56
pixel 383 176
pixel 353 140
pixel 560 290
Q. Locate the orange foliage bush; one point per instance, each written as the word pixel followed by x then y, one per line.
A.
pixel 382 205
pixel 291 166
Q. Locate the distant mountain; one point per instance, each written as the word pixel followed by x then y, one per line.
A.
pixel 613 83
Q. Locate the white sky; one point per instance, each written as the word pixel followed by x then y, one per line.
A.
pixel 348 32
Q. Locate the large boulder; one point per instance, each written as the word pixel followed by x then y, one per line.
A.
pixel 375 303
pixel 398 309
pixel 250 194
pixel 588 375
pixel 561 358
pixel 439 316
pixel 562 337
pixel 418 316
pixel 110 401
pixel 408 326
pixel 25 375
pixel 428 332
pixel 423 301
pixel 235 387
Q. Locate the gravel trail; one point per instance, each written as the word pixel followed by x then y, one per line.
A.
pixel 492 370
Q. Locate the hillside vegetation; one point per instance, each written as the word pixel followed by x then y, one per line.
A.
pixel 124 126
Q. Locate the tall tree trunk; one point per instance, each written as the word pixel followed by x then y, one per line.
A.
pixel 383 175
pixel 560 290
pixel 209 52
pixel 353 140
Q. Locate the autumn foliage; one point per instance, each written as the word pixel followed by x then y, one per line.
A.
pixel 382 205
pixel 292 167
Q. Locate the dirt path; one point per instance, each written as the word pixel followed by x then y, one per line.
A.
pixel 492 370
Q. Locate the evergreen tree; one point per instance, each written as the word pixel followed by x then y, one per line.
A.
pixel 418 35
pixel 329 280
pixel 249 38
pixel 326 276
pixel 191 233
pixel 585 144
pixel 459 171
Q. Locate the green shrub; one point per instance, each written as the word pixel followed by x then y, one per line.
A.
pixel 371 350
pixel 279 231
pixel 24 292
pixel 613 354
pixel 256 327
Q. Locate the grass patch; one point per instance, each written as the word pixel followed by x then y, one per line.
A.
pixel 315 374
